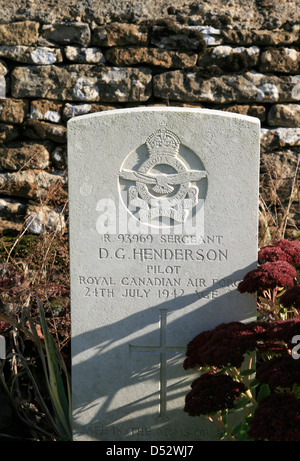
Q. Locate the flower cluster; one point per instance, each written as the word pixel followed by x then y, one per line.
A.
pixel 276 269
pixel 268 275
pixel 283 250
pixel 282 371
pixel 224 348
pixel 284 330
pixel 224 345
pixel 270 393
pixel 228 343
pixel 212 392
pixel 277 418
pixel 291 298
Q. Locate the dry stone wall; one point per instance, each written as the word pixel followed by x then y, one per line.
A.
pixel 53 68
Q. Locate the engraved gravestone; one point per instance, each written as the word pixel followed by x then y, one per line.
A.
pixel 163 226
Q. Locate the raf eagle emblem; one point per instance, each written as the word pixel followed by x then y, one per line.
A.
pixel 163 183
pixel 158 193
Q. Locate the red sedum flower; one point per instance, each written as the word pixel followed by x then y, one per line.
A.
pixel 210 393
pixel 268 275
pixel 272 347
pixel 291 297
pixel 224 345
pixel 284 330
pixel 281 371
pixel 283 250
pixel 271 254
pixel 277 418
pixel 291 249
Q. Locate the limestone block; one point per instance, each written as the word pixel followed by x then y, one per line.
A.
pixel 8 132
pixel 285 60
pixel 211 35
pixel 258 37
pixel 59 157
pixel 41 218
pixel 31 54
pixel 277 138
pixel 65 33
pixel 3 69
pixel 174 36
pixel 285 115
pixel 250 110
pixel 35 129
pixel 119 34
pixel 24 155
pixel 229 58
pixel 12 213
pixel 10 206
pixel 11 223
pixel 150 56
pixel 13 110
pixel 46 110
pixel 82 82
pixel 19 33
pixel 238 88
pixel 91 55
pixel 32 184
pixel 74 109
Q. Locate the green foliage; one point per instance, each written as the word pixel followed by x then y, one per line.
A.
pixel 264 391
pixel 53 366
pixel 53 375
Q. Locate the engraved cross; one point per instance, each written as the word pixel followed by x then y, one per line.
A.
pixel 162 349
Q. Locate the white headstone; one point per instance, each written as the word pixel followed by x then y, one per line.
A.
pixel 163 226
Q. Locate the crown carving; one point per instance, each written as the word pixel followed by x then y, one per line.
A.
pixel 163 141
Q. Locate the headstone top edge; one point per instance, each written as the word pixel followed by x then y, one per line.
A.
pixel 215 112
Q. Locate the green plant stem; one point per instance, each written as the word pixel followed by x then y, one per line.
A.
pixel 220 425
pixel 248 393
pixel 226 428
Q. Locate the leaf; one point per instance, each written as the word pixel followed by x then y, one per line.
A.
pixel 244 437
pixel 237 429
pixel 59 400
pixel 254 383
pixel 264 391
pixel 240 432
pixel 296 390
pixel 248 372
pixel 241 403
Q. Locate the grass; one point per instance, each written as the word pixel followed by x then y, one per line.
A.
pixel 35 321
pixel 279 202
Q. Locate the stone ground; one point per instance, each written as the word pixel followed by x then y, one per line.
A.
pixel 255 14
